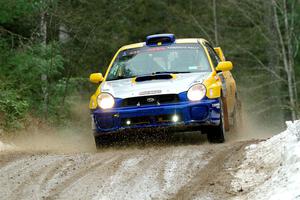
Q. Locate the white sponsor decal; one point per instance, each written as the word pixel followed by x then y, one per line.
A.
pixel 150 92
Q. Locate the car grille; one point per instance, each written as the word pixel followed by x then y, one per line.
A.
pixel 150 100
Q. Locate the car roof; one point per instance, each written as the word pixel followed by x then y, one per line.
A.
pixel 178 41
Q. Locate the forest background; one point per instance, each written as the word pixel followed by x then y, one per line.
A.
pixel 48 49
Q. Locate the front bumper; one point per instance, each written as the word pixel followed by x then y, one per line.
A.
pixel 204 112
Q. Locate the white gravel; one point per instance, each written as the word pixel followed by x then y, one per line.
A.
pixel 271 169
pixel 266 170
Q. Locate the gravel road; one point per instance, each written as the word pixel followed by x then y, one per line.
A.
pixel 180 168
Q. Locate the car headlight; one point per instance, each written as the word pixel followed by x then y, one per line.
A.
pixel 196 92
pixel 105 101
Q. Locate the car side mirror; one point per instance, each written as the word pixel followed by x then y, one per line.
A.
pixel 224 66
pixel 96 78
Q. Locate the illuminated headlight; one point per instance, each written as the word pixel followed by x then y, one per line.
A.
pixel 105 101
pixel 196 92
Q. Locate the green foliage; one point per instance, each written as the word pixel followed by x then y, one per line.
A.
pixel 14 9
pixel 95 29
pixel 13 108
pixel 21 71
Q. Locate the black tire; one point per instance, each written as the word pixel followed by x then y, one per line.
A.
pixel 102 141
pixel 216 134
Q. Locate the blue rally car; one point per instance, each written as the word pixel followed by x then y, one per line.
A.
pixel 166 83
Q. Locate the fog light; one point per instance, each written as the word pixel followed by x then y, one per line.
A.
pixel 175 118
pixel 128 122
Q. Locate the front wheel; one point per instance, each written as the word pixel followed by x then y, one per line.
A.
pixel 216 134
pixel 103 140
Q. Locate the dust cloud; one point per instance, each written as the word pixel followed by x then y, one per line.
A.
pixel 63 163
pixel 62 140
pixel 252 129
pixel 77 136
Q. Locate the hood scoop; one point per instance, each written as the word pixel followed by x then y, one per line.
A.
pixel 154 77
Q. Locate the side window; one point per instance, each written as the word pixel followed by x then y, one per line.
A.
pixel 214 57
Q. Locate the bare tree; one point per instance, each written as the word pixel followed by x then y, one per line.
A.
pixel 277 30
pixel 215 22
pixel 44 76
pixel 285 34
pixel 273 62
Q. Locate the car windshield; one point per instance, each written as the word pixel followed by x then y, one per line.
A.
pixel 175 58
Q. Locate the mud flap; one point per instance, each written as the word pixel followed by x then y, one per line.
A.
pixel 225 110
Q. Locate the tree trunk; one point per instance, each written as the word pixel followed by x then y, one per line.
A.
pixel 63 35
pixel 273 55
pixel 215 22
pixel 288 66
pixel 288 37
pixel 44 76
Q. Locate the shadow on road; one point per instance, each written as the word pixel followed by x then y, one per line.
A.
pixel 150 139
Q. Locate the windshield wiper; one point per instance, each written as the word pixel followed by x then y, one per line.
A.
pixel 170 72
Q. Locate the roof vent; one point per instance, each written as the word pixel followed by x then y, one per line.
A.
pixel 160 39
